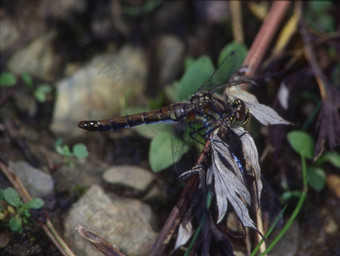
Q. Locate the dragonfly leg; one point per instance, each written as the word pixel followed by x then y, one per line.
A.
pixel 196 131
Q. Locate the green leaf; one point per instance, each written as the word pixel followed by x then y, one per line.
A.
pixel 35 203
pixel 15 224
pixel 7 79
pixel 302 143
pixel 59 150
pixel 151 131
pixel 290 194
pixel 320 5
pixel 319 16
pixel 27 78
pixel 1 194
pixel 58 142
pixel 41 92
pixel 171 91
pixel 160 154
pixel 316 178
pixel 196 74
pixel 331 157
pixel 188 62
pixel 12 197
pixel 66 151
pixel 26 214
pixel 80 150
pixel 240 50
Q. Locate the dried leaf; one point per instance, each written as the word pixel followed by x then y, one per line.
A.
pixel 264 114
pixel 286 33
pixel 184 234
pixel 251 158
pixel 328 123
pixel 228 182
pixel 283 96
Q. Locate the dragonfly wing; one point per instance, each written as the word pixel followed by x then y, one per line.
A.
pixel 229 66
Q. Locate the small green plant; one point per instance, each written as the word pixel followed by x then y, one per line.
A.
pixel 14 210
pixel 318 16
pixel 40 92
pixel 7 79
pixel 79 151
pixel 304 144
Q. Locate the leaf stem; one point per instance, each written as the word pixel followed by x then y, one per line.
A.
pixel 296 210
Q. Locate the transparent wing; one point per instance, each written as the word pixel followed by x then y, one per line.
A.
pixel 229 66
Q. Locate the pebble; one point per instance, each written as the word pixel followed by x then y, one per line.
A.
pixel 37 182
pixel 124 223
pixel 130 176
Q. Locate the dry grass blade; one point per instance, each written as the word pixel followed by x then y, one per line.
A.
pixel 100 243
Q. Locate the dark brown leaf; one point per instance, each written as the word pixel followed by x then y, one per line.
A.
pixel 328 123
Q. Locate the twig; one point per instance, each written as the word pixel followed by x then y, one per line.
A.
pixel 265 36
pixel 310 56
pixel 236 16
pixel 178 210
pixel 100 243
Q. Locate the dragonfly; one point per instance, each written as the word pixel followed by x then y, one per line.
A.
pixel 206 107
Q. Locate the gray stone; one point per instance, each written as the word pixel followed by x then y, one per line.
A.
pixel 9 33
pixel 129 176
pixel 61 9
pixel 122 222
pixel 96 90
pixel 38 58
pixel 288 244
pixel 37 182
pixel 170 53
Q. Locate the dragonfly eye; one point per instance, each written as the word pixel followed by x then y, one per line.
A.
pixel 239 114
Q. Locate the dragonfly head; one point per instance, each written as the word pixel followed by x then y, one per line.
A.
pixel 239 115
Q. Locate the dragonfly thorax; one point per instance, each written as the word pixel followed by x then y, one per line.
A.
pixel 208 106
pixel 215 109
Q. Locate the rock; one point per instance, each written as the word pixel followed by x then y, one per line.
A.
pixel 155 194
pixel 62 9
pixel 96 90
pixel 38 58
pixel 212 12
pixel 5 237
pixel 170 53
pixel 9 33
pixel 333 183
pixel 288 244
pixel 37 182
pixel 122 222
pixel 130 176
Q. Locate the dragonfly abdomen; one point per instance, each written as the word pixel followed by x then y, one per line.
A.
pixel 171 113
